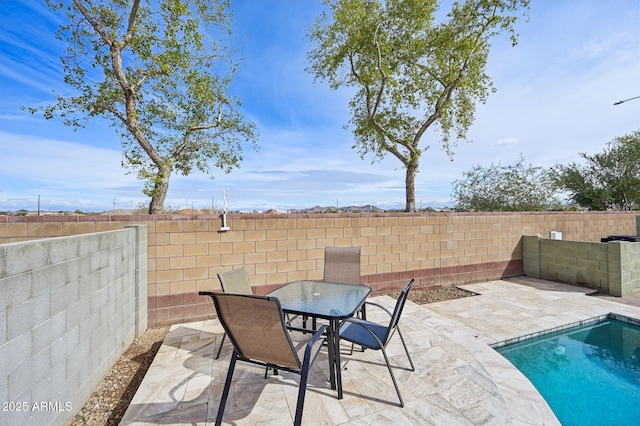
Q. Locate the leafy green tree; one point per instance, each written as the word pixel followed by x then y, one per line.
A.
pixel 158 72
pixel 516 187
pixel 609 180
pixel 410 72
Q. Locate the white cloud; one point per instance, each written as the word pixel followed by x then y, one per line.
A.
pixel 507 141
pixel 554 99
pixel 65 173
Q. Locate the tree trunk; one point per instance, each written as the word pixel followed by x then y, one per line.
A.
pixel 410 187
pixel 160 191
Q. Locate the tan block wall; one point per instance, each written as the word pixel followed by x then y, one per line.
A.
pixel 187 251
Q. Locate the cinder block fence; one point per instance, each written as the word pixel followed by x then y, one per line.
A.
pixel 69 307
pixel 612 267
pixel 438 249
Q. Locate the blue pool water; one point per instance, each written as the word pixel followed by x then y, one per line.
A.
pixel 589 375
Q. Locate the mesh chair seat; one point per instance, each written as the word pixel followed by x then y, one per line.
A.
pixel 342 265
pixel 367 334
pixel 235 281
pixel 376 336
pixel 257 329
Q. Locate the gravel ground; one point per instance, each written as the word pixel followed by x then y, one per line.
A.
pixel 433 294
pixel 110 400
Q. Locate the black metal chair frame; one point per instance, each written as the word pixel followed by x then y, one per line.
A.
pixel 368 330
pixel 303 366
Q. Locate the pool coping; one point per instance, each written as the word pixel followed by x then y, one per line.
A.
pixel 528 336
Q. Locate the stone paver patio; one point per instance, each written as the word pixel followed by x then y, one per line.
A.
pixel 459 379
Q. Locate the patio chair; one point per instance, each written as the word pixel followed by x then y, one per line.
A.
pixel 342 265
pixel 235 281
pixel 257 329
pixel 375 336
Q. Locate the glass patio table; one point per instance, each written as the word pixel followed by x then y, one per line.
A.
pixel 329 301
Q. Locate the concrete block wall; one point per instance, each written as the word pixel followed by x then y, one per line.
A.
pixel 612 267
pixel 531 255
pixel 67 312
pixel 438 249
pixel 575 262
pixel 624 268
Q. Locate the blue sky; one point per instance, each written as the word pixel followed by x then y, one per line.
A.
pixel 554 99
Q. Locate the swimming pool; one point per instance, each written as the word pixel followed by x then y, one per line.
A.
pixel 589 374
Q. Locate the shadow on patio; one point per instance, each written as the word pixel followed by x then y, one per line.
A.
pixel 458 379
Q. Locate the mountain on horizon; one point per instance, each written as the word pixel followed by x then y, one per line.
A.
pixel 354 209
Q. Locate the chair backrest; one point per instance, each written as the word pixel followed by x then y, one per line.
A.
pixel 256 327
pixel 342 265
pixel 235 281
pixel 397 312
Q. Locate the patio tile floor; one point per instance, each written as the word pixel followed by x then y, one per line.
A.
pixel 459 379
